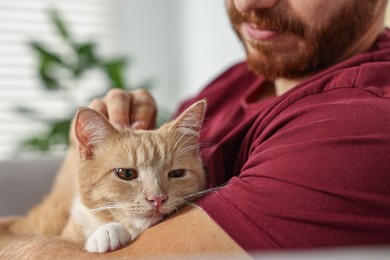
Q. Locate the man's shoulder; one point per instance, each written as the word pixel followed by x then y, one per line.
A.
pixel 365 83
pixel 351 101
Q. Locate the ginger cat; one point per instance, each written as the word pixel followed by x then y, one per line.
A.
pixel 128 180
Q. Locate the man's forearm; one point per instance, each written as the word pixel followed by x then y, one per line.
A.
pixel 189 233
pixel 37 247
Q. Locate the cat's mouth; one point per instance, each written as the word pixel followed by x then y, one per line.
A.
pixel 154 215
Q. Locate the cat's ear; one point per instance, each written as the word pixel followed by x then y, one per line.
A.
pixel 91 127
pixel 190 121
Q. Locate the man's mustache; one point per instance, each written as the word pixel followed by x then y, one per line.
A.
pixel 270 20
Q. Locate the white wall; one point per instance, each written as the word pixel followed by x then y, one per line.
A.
pixel 180 44
pixel 209 44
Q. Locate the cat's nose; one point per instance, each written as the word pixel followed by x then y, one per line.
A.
pixel 157 200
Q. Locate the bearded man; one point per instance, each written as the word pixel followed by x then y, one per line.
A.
pixel 299 136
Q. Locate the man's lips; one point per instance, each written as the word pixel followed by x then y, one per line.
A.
pixel 259 34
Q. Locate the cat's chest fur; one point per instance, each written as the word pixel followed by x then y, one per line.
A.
pixel 88 222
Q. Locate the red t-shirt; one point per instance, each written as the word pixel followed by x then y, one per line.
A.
pixel 310 168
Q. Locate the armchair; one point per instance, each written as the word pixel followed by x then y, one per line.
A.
pixel 24 182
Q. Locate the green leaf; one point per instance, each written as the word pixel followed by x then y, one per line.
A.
pixel 61 127
pixel 40 143
pixel 56 134
pixel 86 58
pixel 49 82
pixel 44 53
pixel 114 69
pixel 48 61
pixel 60 25
pixel 86 52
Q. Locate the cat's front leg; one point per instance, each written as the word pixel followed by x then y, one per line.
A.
pixel 108 237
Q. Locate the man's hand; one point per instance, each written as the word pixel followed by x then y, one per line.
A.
pixel 135 109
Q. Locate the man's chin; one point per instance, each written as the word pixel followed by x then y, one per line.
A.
pixel 273 67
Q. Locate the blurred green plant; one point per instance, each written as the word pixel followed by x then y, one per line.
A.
pixel 72 62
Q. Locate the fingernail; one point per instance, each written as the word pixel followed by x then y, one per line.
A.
pixel 137 125
pixel 118 126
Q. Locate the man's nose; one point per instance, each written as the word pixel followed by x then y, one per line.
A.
pixel 245 6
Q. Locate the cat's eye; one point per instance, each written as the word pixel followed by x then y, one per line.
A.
pixel 177 173
pixel 126 174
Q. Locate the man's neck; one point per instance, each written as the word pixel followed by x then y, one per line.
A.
pixel 278 87
pixel 283 85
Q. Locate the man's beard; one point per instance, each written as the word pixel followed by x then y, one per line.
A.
pixel 323 45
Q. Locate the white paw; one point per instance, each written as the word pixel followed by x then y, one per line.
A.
pixel 108 237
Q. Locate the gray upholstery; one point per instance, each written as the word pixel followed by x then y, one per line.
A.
pixel 24 182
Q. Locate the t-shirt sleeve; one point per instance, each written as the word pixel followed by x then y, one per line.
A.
pixel 318 175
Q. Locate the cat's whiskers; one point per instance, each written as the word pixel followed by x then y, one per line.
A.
pixel 186 149
pixel 179 157
pixel 190 198
pixel 196 195
pixel 128 207
pixel 181 202
pixel 107 206
pixel 191 146
pixel 186 133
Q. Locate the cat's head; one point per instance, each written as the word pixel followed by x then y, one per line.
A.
pixel 138 173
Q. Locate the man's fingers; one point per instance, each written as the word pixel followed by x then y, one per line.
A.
pixel 143 110
pixel 135 109
pixel 118 103
pixel 99 105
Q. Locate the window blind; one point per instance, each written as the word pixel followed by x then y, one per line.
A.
pixel 22 21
